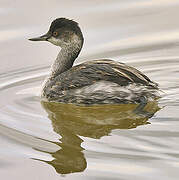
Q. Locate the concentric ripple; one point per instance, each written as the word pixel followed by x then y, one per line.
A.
pixel 76 139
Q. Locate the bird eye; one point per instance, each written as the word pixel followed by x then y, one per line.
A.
pixel 55 33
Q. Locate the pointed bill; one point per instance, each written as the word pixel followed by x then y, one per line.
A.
pixel 41 38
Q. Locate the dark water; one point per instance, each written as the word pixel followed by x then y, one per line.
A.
pixel 53 141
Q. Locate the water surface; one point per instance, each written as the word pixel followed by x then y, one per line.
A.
pixel 53 141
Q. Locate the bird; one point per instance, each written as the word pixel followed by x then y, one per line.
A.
pixel 102 81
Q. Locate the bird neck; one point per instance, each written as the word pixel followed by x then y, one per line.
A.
pixel 66 57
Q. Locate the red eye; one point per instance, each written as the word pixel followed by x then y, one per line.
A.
pixel 55 33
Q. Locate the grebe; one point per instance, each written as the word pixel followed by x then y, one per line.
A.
pixel 101 81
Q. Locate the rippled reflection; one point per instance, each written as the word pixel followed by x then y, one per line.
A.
pixel 71 121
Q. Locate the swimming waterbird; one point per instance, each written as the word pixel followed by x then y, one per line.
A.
pixel 102 81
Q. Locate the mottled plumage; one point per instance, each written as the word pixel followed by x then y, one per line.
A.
pixel 64 87
pixel 93 82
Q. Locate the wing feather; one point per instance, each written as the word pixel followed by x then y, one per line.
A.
pixel 92 71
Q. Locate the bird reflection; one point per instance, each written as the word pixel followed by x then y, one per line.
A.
pixel 71 122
